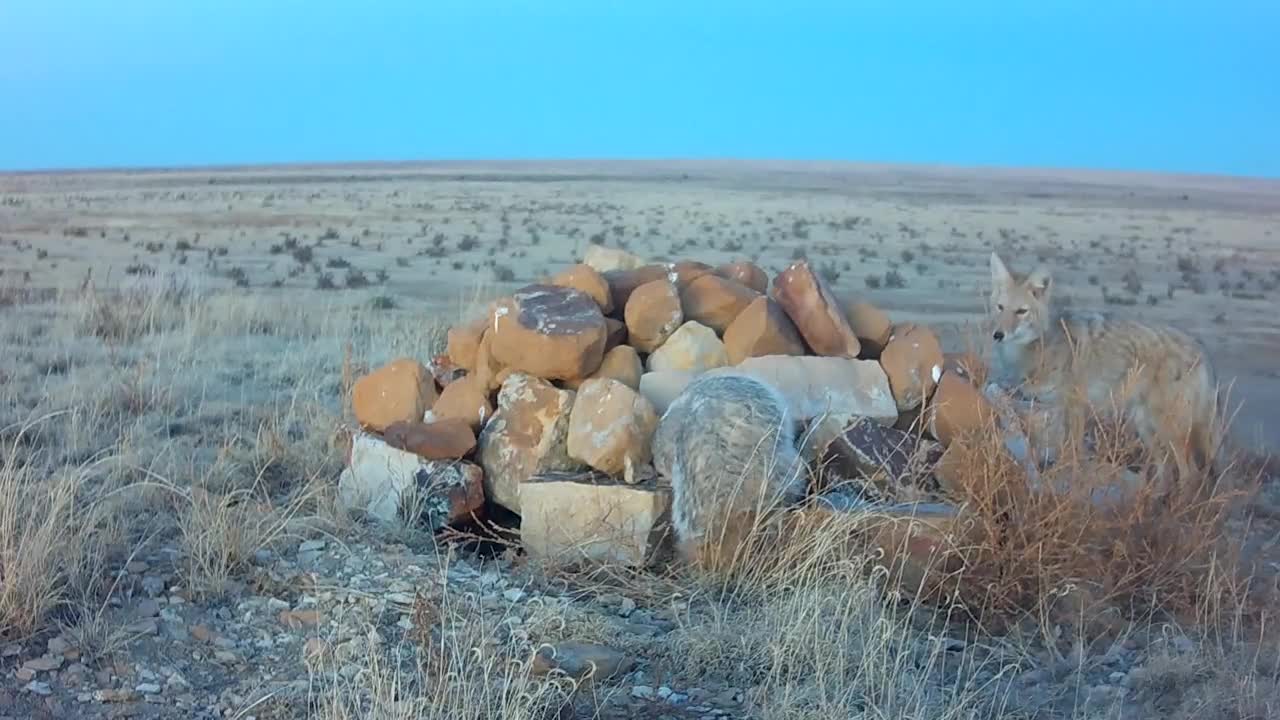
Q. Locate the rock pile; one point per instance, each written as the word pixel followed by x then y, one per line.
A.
pixel 546 406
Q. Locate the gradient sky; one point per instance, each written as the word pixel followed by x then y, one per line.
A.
pixel 1172 86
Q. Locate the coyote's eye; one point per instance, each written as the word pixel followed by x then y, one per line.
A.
pixel 1020 311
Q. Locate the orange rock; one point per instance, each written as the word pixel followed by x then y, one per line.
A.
pixel 466 399
pixel 653 313
pixel 762 328
pixel 488 369
pixel 913 361
pixel 624 282
pixel 966 364
pixel 686 271
pixel 400 390
pixel 747 273
pixel 809 303
pixel 871 325
pixel 448 439
pixel 957 409
pixel 464 343
pixel 621 363
pixel 549 332
pixel 585 278
pixel 693 346
pixel 715 301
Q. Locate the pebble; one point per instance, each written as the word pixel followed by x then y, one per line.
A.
pixel 148 688
pixel 38 688
pixel 642 692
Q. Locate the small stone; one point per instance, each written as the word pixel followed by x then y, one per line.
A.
pixel 749 274
pixel 661 388
pixel 586 279
pixel 45 663
pixel 581 660
pixel 606 259
pixel 115 695
pixel 58 646
pixel 466 399
pixel 23 674
pixel 137 567
pixel 715 301
pixel 299 618
pixel 202 633
pixel 38 688
pixel 402 390
pixel 568 518
pixel 762 328
pixel 148 688
pixel 226 656
pixel 528 435
pixel 693 346
pixel 514 595
pixel 913 361
pixel 643 692
pixel 549 332
pixel 804 295
pixel 653 312
pixel 443 439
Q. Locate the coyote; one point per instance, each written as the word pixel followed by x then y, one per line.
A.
pixel 728 446
pixel 1157 379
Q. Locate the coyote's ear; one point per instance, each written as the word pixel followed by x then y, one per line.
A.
pixel 1000 275
pixel 1038 283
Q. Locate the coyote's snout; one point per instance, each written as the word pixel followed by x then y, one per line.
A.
pixel 1157 379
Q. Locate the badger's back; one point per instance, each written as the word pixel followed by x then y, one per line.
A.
pixel 728 445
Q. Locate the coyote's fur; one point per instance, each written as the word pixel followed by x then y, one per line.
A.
pixel 1155 379
pixel 728 445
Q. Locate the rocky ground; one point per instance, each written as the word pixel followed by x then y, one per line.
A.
pixel 169 539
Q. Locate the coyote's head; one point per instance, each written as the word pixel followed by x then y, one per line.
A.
pixel 1020 305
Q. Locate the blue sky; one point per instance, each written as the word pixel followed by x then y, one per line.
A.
pixel 1170 86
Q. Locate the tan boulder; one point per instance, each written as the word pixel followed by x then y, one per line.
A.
pixel 464 343
pixel 448 439
pixel 652 314
pixel 804 296
pixel 401 390
pixel 590 517
pixel 586 279
pixel 837 389
pixel 466 399
pixel 913 361
pixel 549 332
pixel 747 273
pixel 396 487
pixel 693 346
pixel 621 363
pixel 871 325
pixel 957 408
pixel 606 259
pixel 762 328
pixel 528 435
pixel 715 301
pixel 663 387
pixel 611 427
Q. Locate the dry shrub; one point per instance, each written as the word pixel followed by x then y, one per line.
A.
pixel 45 539
pixel 1093 531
